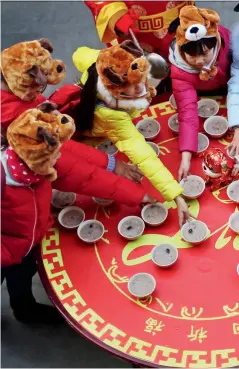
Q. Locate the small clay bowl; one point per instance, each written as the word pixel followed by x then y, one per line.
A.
pixel 216 126
pixel 102 202
pixel 173 102
pixel 71 217
pixel 141 285
pixel 91 231
pixel 154 214
pixel 164 255
pixel 203 143
pixel 207 108
pixel 108 147
pixel 234 222
pixel 149 128
pixel 197 185
pixel 233 191
pixel 155 147
pixel 194 232
pixel 131 227
pixel 174 124
pixel 62 199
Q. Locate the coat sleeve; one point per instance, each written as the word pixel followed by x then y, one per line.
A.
pixel 106 15
pixel 123 133
pixel 81 176
pixel 186 99
pixel 83 58
pixel 66 97
pixel 233 84
pixel 87 153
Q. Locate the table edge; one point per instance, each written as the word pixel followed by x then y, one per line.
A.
pixel 68 318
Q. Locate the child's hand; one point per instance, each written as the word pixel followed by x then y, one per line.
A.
pixel 128 171
pixel 183 213
pixel 185 165
pixel 148 199
pixel 234 145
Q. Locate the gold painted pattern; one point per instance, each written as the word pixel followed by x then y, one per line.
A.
pixel 116 338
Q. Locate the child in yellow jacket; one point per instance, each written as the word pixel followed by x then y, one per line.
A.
pixel 115 85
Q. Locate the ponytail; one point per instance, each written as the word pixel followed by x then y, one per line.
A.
pixel 84 111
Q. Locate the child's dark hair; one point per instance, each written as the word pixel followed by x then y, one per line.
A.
pixel 195 48
pixel 83 113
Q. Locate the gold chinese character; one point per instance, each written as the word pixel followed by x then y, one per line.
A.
pixel 159 326
pixel 153 325
pixel 197 335
pixel 151 321
pixel 235 328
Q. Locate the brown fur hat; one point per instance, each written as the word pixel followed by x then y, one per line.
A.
pixel 195 24
pixel 36 137
pixel 121 65
pixel 28 67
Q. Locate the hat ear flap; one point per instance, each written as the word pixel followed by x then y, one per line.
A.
pixel 131 48
pixel 37 74
pixel 46 136
pixel 174 25
pixel 113 77
pixel 209 15
pixel 46 44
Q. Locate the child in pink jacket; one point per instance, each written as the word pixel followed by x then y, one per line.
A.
pixel 200 62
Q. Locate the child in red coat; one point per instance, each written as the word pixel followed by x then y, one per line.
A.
pixel 25 210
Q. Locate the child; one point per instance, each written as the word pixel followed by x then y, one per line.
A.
pixel 25 210
pixel 233 92
pixel 200 62
pixel 115 86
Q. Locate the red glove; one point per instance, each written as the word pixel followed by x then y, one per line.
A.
pixel 126 22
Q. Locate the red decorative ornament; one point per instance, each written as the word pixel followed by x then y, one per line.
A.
pixel 218 168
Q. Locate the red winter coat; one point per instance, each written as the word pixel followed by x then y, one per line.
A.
pixel 25 211
pixel 185 87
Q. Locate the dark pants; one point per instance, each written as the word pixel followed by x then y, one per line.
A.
pixel 19 281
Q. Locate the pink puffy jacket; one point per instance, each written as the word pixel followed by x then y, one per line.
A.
pixel 185 87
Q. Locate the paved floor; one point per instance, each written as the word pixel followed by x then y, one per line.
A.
pixel 68 25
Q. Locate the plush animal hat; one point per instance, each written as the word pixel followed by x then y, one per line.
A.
pixel 122 65
pixel 28 67
pixel 36 137
pixel 195 24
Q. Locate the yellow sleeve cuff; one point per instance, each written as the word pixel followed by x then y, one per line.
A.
pixel 107 18
pixel 84 57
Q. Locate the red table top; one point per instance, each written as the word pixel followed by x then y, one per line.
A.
pixel 192 319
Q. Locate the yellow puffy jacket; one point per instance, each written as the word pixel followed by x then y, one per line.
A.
pixel 118 127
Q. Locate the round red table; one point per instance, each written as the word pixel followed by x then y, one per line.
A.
pixel 192 319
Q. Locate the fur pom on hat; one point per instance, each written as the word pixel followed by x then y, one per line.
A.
pixel 195 24
pixel 28 68
pixel 36 137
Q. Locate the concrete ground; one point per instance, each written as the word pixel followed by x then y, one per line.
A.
pixel 68 25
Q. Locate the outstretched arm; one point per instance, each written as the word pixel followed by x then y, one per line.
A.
pixel 87 178
pixel 122 132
